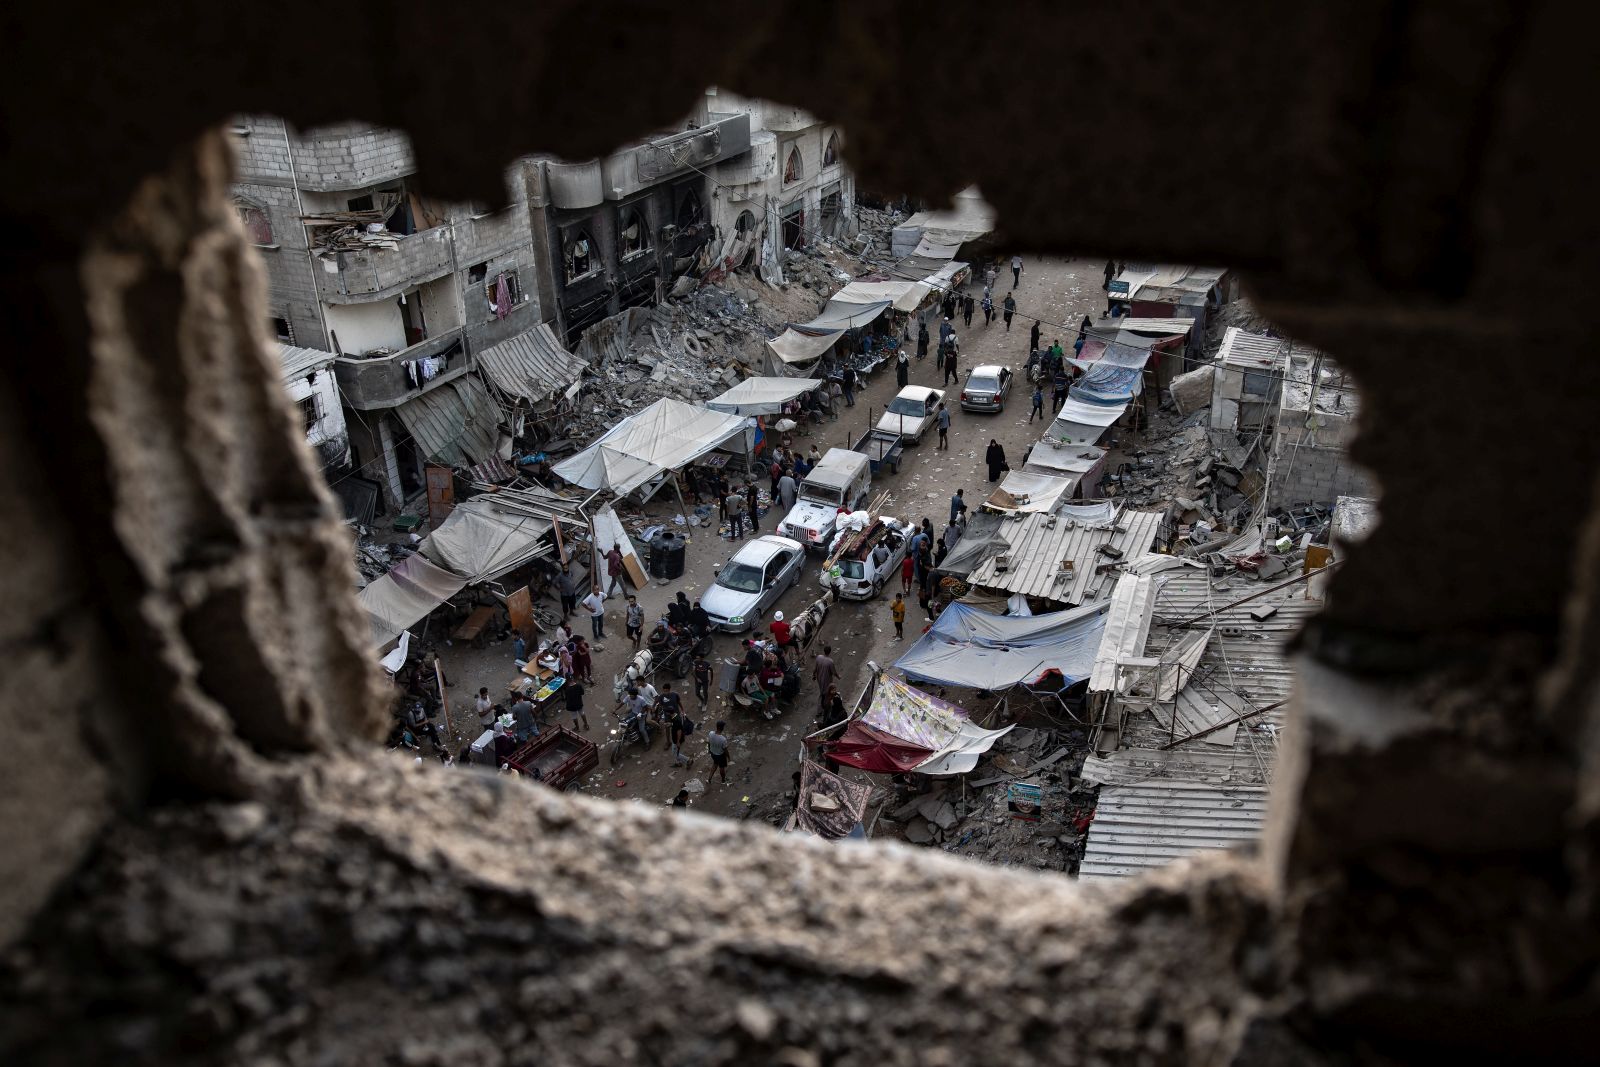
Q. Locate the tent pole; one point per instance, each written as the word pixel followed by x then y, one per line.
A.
pixel 677 490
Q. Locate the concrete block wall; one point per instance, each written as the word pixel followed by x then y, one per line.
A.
pixel 1313 463
pixel 351 156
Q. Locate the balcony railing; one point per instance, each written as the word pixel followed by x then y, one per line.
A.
pixel 383 381
pixel 374 273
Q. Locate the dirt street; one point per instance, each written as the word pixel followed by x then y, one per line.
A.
pixel 764 755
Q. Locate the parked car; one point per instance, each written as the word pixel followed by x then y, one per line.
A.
pixel 853 570
pixel 910 413
pixel 841 479
pixel 752 580
pixel 986 389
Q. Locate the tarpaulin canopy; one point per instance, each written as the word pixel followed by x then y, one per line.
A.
pixel 1048 458
pixel 761 396
pixel 904 712
pixel 844 315
pixel 873 750
pixel 983 537
pixel 969 217
pixel 411 589
pixel 481 543
pixel 974 649
pixel 1115 354
pixel 1025 491
pixel 797 347
pixel 1107 384
pixel 902 295
pixel 667 435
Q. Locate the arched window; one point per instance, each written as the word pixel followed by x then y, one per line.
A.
pixel 792 170
pixel 580 254
pixel 744 223
pixel 633 237
pixel 256 223
pixel 830 154
pixel 690 213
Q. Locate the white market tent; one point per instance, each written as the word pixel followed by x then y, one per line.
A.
pixel 803 342
pixel 482 542
pixel 901 295
pixel 668 435
pixel 1026 491
pixel 761 396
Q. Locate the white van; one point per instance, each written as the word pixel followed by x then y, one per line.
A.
pixel 841 479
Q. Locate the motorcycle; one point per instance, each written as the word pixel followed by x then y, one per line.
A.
pixel 623 736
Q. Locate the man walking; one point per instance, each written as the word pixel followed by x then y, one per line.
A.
pixel 614 570
pixel 943 419
pixel 1060 389
pixel 733 508
pixel 1010 305
pixel 1038 403
pixel 574 694
pixel 848 382
pixel 567 586
pixel 678 724
pixel 968 306
pixel 1016 271
pixel 1033 337
pixel 950 362
pixel 988 277
pixel 922 339
pixel 1111 272
pixel 958 505
pixel 635 621
pixel 717 748
pixel 751 497
pixel 702 681
pixel 787 491
pixel 988 309
pixel 596 603
pixel 822 673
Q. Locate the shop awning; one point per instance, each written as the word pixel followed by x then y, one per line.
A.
pixel 761 396
pixel 481 543
pixel 973 649
pixel 411 589
pixel 798 348
pixel 456 423
pixel 532 365
pixel 1026 492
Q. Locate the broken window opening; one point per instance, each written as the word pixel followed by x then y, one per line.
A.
pixel 794 229
pixel 256 223
pixel 514 294
pixel 744 223
pixel 793 171
pixel 477 272
pixel 282 329
pixel 579 255
pixel 830 154
pixel 310 412
pixel 633 236
pixel 690 213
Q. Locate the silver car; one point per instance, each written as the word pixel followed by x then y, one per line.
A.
pixel 986 389
pixel 751 581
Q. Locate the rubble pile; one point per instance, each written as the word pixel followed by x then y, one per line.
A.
pixel 375 558
pixel 973 818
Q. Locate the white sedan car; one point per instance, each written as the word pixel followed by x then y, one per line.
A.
pixel 752 581
pixel 911 412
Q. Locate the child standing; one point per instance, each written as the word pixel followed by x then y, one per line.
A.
pixel 1038 403
pixel 898 610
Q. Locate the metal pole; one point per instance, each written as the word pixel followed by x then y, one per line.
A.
pixel 1253 596
pixel 1224 725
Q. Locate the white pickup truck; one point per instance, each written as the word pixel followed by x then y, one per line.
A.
pixel 865 558
pixel 841 479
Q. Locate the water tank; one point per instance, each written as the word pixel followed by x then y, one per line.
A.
pixel 667 555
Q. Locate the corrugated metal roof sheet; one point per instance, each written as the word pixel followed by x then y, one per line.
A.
pixel 1147 825
pixel 298 362
pixel 1154 327
pixel 455 423
pixel 1127 628
pixel 532 365
pixel 1252 351
pixel 1038 543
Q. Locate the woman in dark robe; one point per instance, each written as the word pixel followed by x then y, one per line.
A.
pixel 996 458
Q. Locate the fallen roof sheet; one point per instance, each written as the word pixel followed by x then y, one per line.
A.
pixel 455 423
pixel 841 812
pixel 969 647
pixel 1036 545
pixel 1252 351
pixel 1127 628
pixel 1139 827
pixel 1052 457
pixel 532 365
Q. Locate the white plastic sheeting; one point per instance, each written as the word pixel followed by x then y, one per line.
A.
pixel 480 542
pixel 798 348
pixel 901 295
pixel 969 217
pixel 761 396
pixel 1127 627
pixel 411 589
pixel 667 435
pixel 1028 492
pixel 971 648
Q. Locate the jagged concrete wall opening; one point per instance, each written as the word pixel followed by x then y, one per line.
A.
pixel 181 632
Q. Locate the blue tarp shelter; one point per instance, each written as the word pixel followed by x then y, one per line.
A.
pixel 970 647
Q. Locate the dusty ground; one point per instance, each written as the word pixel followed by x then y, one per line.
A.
pixel 764 754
